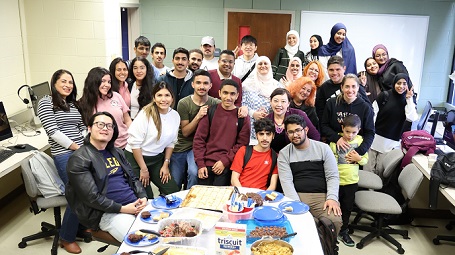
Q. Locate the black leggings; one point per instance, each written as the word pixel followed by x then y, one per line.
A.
pixel 346 197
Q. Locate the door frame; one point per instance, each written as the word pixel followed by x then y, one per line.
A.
pixel 226 10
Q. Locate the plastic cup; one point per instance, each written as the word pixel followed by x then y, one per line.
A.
pixel 235 216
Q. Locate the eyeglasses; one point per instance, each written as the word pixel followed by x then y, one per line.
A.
pixel 293 132
pixel 101 125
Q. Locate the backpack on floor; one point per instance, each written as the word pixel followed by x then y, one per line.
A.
pixel 416 141
pixel 327 235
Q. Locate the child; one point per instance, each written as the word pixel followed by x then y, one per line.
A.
pixel 348 167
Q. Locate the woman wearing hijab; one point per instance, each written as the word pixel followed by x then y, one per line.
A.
pixel 281 61
pixel 257 91
pixel 315 44
pixel 338 45
pixel 293 72
pixel 392 109
pixel 388 67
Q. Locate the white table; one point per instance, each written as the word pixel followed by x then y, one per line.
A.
pixel 421 161
pixel 305 242
pixel 39 141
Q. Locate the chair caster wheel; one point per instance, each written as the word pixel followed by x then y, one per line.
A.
pixel 22 245
pixel 436 241
pixel 87 239
pixel 359 245
pixel 400 251
pixel 406 237
pixel 449 227
pixel 44 229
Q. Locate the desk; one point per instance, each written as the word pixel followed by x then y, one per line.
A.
pixel 421 161
pixel 40 142
pixel 305 242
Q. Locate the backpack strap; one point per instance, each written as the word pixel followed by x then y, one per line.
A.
pixel 248 153
pixel 211 113
pixel 408 157
pixel 272 167
pixel 248 73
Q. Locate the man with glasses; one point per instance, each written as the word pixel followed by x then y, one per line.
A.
pixel 102 188
pixel 223 72
pixel 308 172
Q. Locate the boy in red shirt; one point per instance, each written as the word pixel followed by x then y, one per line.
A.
pixel 257 172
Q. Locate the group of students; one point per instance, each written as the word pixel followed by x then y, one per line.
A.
pixel 192 126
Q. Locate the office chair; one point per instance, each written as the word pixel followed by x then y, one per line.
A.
pixel 383 204
pixel 449 226
pixel 40 204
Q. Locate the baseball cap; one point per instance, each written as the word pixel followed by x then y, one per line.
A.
pixel 208 40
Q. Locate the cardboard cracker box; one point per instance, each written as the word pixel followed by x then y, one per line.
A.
pixel 230 238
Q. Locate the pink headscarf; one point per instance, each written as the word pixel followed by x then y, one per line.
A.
pixel 289 76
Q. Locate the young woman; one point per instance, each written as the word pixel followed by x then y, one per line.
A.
pixel 338 45
pixel 143 79
pixel 119 72
pixel 65 129
pixel 256 92
pixel 372 86
pixel 315 72
pixel 303 92
pixel 315 44
pixel 152 136
pixel 345 104
pixel 281 61
pixel 388 67
pixel 392 108
pixel 293 72
pixel 98 97
pixel 279 101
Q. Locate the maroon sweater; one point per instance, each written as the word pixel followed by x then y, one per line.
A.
pixel 220 140
pixel 216 84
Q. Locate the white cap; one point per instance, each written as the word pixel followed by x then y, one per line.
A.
pixel 208 40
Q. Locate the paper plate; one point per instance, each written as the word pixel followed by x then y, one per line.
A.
pixel 278 198
pixel 267 213
pixel 297 207
pixel 143 242
pixel 263 223
pixel 160 203
pixel 154 213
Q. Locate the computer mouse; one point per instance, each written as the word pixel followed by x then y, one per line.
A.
pixel 20 146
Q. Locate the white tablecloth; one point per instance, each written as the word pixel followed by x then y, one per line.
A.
pixel 305 242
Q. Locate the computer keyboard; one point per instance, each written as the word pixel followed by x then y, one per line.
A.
pixel 5 154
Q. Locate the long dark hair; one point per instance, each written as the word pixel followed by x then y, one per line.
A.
pixel 145 93
pixel 115 85
pixel 87 103
pixel 90 121
pixel 57 100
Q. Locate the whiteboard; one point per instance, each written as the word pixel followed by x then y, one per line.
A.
pixel 405 36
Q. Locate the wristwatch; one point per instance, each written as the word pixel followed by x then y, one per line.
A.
pixel 167 160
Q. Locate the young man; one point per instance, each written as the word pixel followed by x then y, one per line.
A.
pixel 179 78
pixel 208 50
pixel 348 168
pixel 257 171
pixel 195 59
pixel 217 140
pixel 332 87
pixel 158 54
pixel 224 71
pixel 308 171
pixel 102 187
pixel 142 49
pixel 247 61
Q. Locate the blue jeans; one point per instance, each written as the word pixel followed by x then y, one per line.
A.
pixel 70 222
pixel 179 160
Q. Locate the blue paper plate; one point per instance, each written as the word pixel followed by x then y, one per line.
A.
pixel 154 213
pixel 143 242
pixel 251 225
pixel 265 192
pixel 160 203
pixel 265 213
pixel 266 223
pixel 297 207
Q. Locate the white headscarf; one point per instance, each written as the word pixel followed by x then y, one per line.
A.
pixel 292 50
pixel 262 83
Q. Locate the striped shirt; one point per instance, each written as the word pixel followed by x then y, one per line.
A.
pixel 62 128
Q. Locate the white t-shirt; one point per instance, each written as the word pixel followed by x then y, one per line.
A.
pixel 134 103
pixel 209 64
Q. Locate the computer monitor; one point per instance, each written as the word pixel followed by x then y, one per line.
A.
pixel 5 128
pixel 448 136
pixel 40 90
pixel 425 116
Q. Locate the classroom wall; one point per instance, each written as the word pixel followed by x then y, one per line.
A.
pixel 162 20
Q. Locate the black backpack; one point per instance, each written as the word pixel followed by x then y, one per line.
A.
pixel 249 152
pixel 327 235
pixel 442 172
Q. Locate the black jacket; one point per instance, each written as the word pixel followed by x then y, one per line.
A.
pixel 395 67
pixel 87 184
